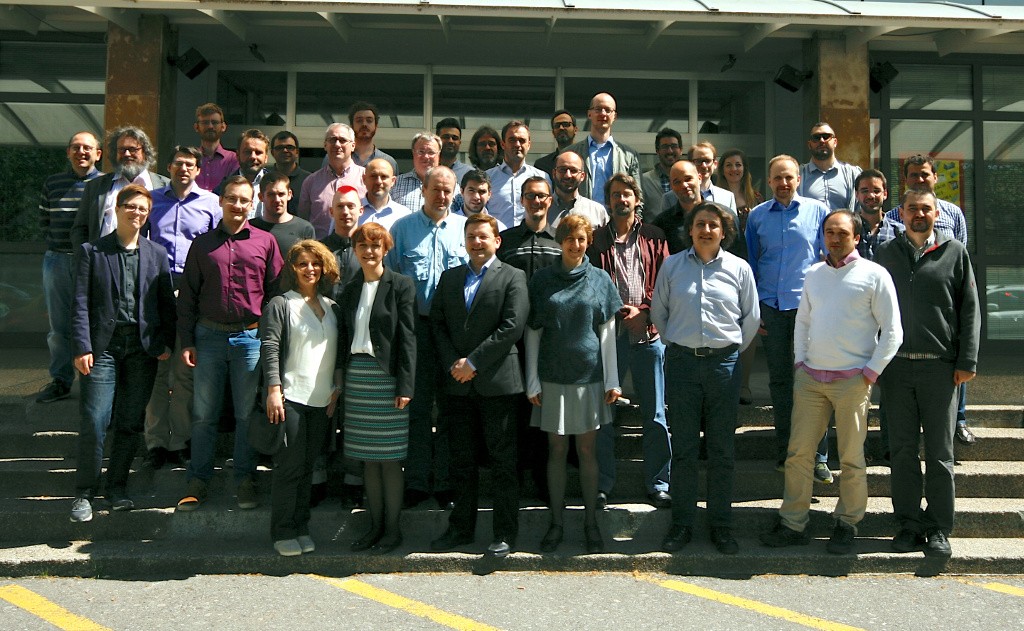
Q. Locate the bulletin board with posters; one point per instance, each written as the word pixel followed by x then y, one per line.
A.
pixel 950 185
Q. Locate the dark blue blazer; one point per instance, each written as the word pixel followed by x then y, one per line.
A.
pixel 98 285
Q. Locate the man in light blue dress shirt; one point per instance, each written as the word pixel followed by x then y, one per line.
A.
pixel 427 243
pixel 784 239
pixel 507 178
pixel 825 178
pixel 602 155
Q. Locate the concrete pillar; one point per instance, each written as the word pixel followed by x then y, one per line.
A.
pixel 140 82
pixel 838 94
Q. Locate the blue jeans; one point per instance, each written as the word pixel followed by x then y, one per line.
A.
pixel 58 291
pixel 646 363
pixel 708 387
pixel 219 355
pixel 961 405
pixel 778 351
pixel 114 395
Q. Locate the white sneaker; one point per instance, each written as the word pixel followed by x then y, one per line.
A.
pixel 306 543
pixel 288 547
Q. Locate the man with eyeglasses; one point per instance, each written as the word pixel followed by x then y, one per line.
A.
pixel 563 128
pixel 668 144
pixel 363 117
pixel 568 175
pixel 507 178
pixel 217 162
pixel 318 190
pixel 426 155
pixel 284 146
pixel 450 132
pixel 825 178
pixel 704 156
pixel 228 277
pixel 123 322
pixel 58 203
pixel 181 212
pixel 132 154
pixel 602 155
pixel 632 253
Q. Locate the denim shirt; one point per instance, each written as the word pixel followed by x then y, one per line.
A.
pixel 423 250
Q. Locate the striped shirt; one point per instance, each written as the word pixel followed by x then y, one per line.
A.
pixel 57 207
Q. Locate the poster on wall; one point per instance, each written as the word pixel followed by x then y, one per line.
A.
pixel 950 172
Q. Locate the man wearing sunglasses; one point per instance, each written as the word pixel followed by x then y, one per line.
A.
pixel 825 178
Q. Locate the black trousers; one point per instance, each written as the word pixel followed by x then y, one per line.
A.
pixel 490 421
pixel 305 438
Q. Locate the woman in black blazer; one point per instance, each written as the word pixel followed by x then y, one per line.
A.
pixel 379 350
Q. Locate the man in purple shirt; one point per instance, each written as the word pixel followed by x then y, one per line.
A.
pixel 228 275
pixel 319 188
pixel 181 212
pixel 217 162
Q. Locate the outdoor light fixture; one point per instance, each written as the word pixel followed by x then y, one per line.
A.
pixel 790 78
pixel 882 75
pixel 191 64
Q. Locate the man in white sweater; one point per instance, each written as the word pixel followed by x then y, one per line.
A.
pixel 847 330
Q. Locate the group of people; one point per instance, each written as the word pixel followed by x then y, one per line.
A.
pixel 462 314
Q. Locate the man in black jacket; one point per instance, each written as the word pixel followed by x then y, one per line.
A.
pixel 478 314
pixel 941 329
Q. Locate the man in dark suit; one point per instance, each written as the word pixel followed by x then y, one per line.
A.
pixel 478 314
pixel 132 153
pixel 123 322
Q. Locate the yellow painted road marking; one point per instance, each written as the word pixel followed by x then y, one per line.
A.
pixel 755 606
pixel 407 605
pixel 1002 588
pixel 48 611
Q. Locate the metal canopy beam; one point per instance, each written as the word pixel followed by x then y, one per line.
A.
pixel 128 19
pixel 759 33
pixel 230 21
pixel 19 20
pixel 339 22
pixel 956 40
pixel 655 31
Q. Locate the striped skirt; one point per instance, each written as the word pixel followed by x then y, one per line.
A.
pixel 374 428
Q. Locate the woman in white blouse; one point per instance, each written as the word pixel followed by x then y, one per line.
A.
pixel 299 332
pixel 378 347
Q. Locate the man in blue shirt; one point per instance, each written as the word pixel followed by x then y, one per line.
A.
pixel 428 242
pixel 784 239
pixel 825 178
pixel 602 155
pixel 507 178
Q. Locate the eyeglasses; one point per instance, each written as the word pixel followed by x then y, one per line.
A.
pixel 337 140
pixel 602 110
pixel 426 153
pixel 568 171
pixel 179 164
pixel 821 137
pixel 235 199
pixel 131 150
pixel 86 148
pixel 562 125
pixel 139 209
pixel 289 148
pixel 536 197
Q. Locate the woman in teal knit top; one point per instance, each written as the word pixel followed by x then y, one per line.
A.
pixel 571 373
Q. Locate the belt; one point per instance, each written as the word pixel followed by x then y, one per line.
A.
pixel 707 351
pixel 228 327
pixel 906 355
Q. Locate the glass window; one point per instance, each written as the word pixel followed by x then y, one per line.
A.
pixel 322 98
pixel 920 87
pixel 476 101
pixel 730 107
pixel 1003 220
pixel 643 105
pixel 1002 89
pixel 1004 303
pixel 950 143
pixel 252 98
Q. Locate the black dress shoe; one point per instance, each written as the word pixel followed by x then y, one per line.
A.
pixel 552 538
pixel 414 497
pixel 907 541
pixel 501 547
pixel 386 545
pixel 677 538
pixel 964 436
pixel 450 540
pixel 367 541
pixel 660 499
pixel 602 500
pixel 594 540
pixel 936 544
pixel 156 458
pixel 724 541
pixel 445 499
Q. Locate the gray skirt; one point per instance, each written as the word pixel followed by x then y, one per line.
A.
pixel 374 428
pixel 571 408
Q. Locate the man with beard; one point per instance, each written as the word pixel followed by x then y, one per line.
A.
pixel 685 182
pixel 319 188
pixel 363 118
pixel 378 205
pixel 450 132
pixel 602 155
pixel 132 154
pixel 872 191
pixel 58 204
pixel 938 302
pixel 217 162
pixel 563 128
pixel 632 253
pixel 507 178
pixel 825 178
pixel 568 175
pixel 253 153
pixel 284 146
pixel 485 148
pixel 668 144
